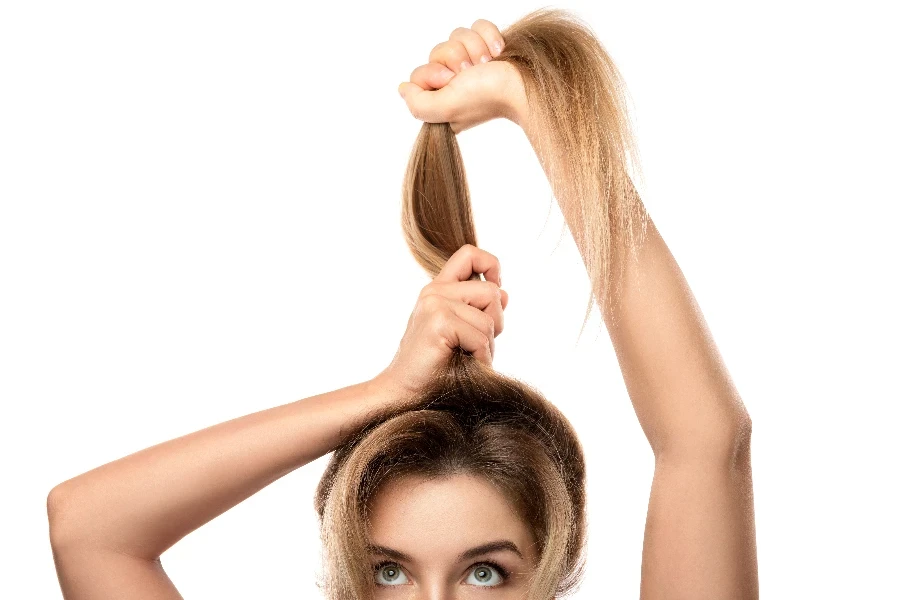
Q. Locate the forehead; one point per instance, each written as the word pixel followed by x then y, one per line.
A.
pixel 444 516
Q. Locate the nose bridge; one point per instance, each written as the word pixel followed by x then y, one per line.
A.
pixel 435 588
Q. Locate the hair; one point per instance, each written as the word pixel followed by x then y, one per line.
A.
pixel 471 419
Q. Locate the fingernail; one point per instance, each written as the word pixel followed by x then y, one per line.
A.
pixel 465 65
pixel 447 74
pixel 498 47
pixel 485 58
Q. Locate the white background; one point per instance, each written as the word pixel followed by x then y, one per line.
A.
pixel 200 219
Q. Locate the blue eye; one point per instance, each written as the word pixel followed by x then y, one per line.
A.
pixel 487 575
pixel 390 574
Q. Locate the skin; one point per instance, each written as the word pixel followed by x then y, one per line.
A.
pixel 433 523
pixel 109 526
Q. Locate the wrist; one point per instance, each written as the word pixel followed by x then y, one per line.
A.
pixel 515 99
pixel 386 390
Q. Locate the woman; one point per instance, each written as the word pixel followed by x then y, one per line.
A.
pixel 449 480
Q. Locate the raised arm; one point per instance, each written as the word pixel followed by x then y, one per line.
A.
pixel 109 526
pixel 699 540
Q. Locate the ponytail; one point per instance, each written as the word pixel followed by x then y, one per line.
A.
pixel 579 125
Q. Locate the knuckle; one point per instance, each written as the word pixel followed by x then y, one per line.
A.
pixel 488 292
pixel 484 342
pixel 436 52
pixel 441 322
pixel 417 73
pixel 451 49
pixel 427 290
pixel 457 50
pixel 488 30
pixel 430 303
pixel 491 325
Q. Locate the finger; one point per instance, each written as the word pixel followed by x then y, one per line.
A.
pixel 427 105
pixel 491 36
pixel 432 76
pixel 474 43
pixel 460 333
pixel 504 299
pixel 451 54
pixel 467 260
pixel 482 295
pixel 477 319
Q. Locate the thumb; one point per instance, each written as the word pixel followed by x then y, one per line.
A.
pixel 425 105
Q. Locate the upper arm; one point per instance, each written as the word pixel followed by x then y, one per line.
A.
pixel 86 571
pixel 104 574
pixel 700 540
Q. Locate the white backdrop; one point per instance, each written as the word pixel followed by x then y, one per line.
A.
pixel 200 219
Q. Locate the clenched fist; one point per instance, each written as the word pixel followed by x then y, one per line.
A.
pixel 462 84
pixel 451 311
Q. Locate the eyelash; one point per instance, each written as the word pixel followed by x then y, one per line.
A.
pixel 383 564
pixel 504 574
pixel 484 563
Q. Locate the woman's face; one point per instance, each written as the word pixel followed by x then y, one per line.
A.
pixel 453 537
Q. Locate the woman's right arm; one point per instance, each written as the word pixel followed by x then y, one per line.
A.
pixel 109 526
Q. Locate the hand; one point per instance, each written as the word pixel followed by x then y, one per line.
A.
pixel 451 311
pixel 462 85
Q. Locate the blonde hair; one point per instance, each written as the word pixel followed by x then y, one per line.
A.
pixel 579 125
pixel 471 419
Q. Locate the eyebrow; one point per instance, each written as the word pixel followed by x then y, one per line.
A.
pixel 498 546
pixel 390 553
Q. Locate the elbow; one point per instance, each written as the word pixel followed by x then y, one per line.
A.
pixel 722 439
pixel 740 455
pixel 730 443
pixel 58 516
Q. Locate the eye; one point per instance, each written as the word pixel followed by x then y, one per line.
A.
pixel 486 574
pixel 390 574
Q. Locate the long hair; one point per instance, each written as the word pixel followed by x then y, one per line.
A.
pixel 471 419
pixel 582 134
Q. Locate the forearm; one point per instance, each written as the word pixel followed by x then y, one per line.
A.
pixel 140 505
pixel 675 376
pixel 682 393
pixel 700 534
